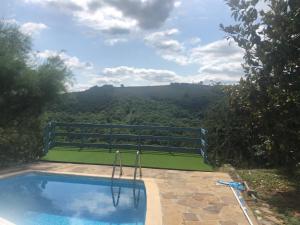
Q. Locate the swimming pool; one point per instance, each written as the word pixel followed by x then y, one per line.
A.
pixel 50 199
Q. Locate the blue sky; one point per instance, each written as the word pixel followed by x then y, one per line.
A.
pixel 131 42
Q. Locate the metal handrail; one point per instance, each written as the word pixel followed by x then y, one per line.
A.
pixel 117 156
pixel 137 164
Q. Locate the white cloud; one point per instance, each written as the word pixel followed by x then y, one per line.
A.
pixel 72 62
pixel 115 17
pixel 219 59
pixel 132 76
pixel 87 75
pixel 108 20
pixel 31 28
pixel 177 4
pixel 194 41
pixel 94 203
pixel 149 14
pixel 141 73
pixel 167 47
pixel 84 72
pixel 114 41
pixel 10 21
pixel 135 76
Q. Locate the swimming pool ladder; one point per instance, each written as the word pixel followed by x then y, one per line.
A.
pixel 117 158
pixel 137 165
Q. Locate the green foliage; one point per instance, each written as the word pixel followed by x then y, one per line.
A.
pixel 279 190
pixel 25 89
pixel 20 144
pixel 263 110
pixel 161 105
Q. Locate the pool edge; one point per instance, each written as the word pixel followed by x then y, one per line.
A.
pixel 154 212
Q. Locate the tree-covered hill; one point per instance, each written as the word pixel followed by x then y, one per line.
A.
pixel 174 104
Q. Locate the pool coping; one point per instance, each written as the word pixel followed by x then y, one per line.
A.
pixel 153 210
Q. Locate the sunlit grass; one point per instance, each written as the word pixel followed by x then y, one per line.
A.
pixel 182 161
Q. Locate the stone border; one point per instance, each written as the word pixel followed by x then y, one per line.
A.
pixel 153 205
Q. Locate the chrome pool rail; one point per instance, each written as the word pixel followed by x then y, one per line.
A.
pixel 137 165
pixel 136 196
pixel 117 158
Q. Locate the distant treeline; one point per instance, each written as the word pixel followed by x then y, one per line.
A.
pixel 182 105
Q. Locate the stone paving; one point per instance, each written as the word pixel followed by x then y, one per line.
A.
pixel 187 197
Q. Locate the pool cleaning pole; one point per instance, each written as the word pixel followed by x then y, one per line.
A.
pixel 244 208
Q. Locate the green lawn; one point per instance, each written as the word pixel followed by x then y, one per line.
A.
pixel 182 161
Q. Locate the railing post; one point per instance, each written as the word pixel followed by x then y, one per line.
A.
pixel 110 138
pixel 49 135
pixel 204 145
pixel 81 138
pixel 169 144
pixel 139 140
pixel 46 137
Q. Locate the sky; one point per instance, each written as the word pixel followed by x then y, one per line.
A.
pixel 131 42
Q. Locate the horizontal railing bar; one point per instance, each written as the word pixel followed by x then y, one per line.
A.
pixel 128 136
pixel 87 125
pixel 76 144
pixel 128 146
pixel 167 148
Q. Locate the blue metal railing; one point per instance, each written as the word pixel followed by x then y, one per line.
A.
pixel 111 136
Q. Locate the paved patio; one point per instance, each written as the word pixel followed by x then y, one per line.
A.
pixel 187 198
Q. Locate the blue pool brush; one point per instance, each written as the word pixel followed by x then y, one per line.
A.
pixel 236 185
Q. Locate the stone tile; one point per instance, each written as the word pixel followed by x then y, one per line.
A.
pixel 190 217
pixel 193 223
pixel 169 195
pixel 189 203
pixel 228 200
pixel 228 222
pixel 209 222
pixel 214 209
pixel 172 216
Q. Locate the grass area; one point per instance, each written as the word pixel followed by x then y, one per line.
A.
pixel 166 160
pixel 279 190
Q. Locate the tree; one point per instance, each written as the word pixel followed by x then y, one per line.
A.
pixel 25 89
pixel 267 100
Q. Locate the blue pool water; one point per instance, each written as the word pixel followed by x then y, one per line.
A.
pixel 48 199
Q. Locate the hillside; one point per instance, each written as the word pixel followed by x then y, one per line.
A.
pixel 175 104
